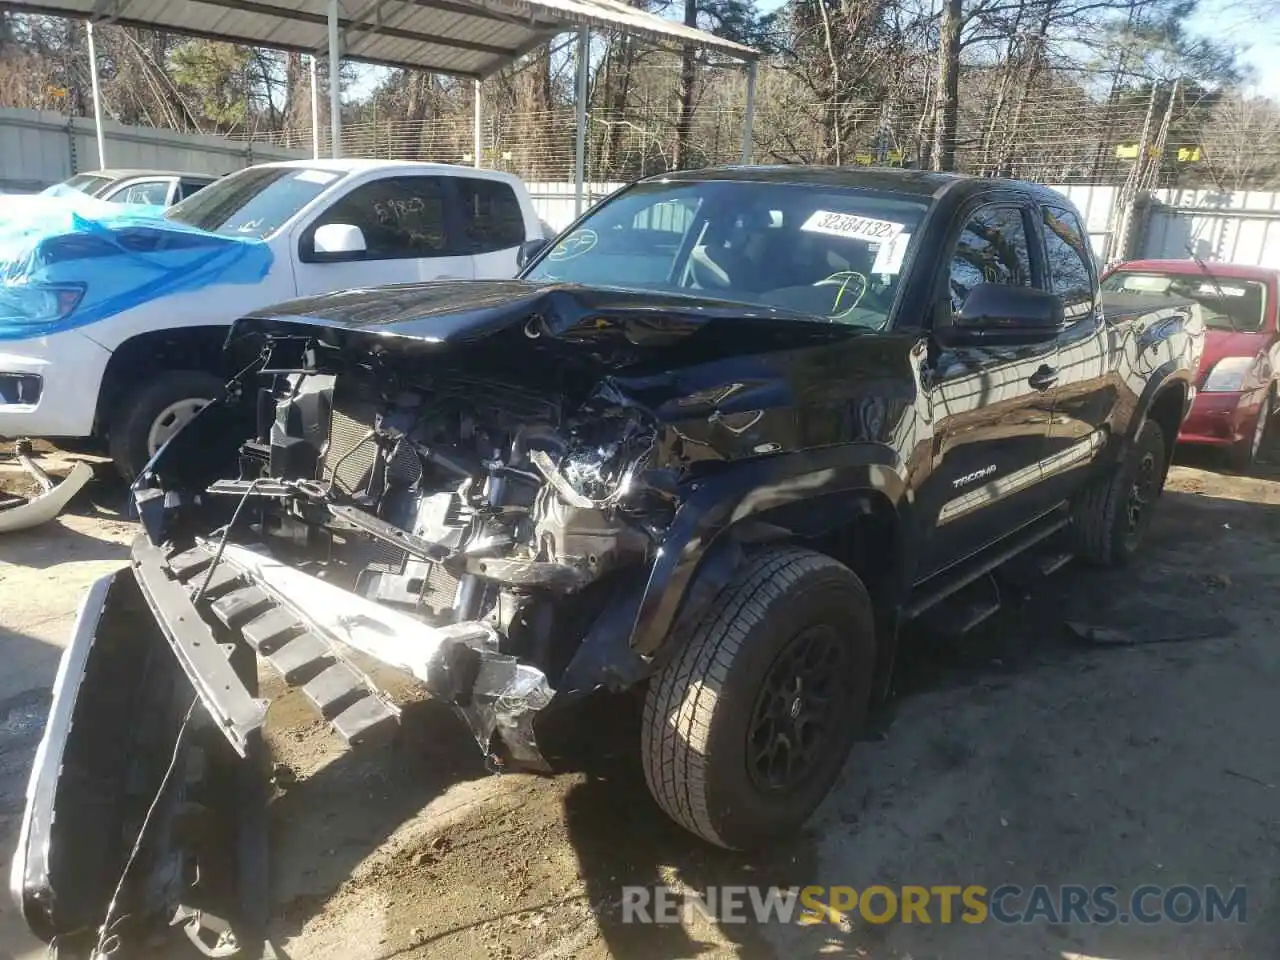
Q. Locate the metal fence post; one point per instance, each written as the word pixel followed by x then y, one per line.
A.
pixel 71 145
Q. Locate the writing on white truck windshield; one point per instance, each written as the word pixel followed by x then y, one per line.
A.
pixel 835 254
pixel 254 202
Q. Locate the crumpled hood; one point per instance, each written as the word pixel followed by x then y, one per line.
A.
pixel 616 326
pixel 70 261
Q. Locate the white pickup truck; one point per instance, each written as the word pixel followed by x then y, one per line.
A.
pixel 126 364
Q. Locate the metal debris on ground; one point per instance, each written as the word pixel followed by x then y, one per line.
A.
pixel 1105 636
pixel 23 513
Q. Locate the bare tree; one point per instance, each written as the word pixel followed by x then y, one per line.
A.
pixel 948 102
pixel 1241 143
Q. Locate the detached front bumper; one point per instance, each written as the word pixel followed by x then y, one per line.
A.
pixel 29 878
pixel 300 625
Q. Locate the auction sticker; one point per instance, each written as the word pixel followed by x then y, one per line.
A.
pixel 852 226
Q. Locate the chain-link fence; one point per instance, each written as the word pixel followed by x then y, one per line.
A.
pixel 1057 129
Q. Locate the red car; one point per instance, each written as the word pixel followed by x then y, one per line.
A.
pixel 1236 382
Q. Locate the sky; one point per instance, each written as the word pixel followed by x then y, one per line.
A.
pixel 1252 33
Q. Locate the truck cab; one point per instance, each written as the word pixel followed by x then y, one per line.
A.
pixel 129 372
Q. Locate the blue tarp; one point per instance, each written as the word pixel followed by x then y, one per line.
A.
pixel 70 261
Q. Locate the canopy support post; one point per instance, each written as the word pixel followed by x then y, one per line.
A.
pixel 748 121
pixel 315 113
pixel 335 83
pixel 97 99
pixel 580 149
pixel 475 130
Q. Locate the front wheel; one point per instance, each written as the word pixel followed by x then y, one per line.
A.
pixel 1245 453
pixel 1110 517
pixel 150 414
pixel 746 730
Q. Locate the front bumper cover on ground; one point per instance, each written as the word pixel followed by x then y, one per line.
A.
pixel 303 627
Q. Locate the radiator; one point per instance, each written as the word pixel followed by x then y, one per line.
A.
pixel 351 451
pixel 348 461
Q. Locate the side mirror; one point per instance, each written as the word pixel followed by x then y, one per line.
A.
pixel 338 241
pixel 998 313
pixel 528 250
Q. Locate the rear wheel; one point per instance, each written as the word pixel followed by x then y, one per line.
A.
pixel 748 727
pixel 1111 516
pixel 150 414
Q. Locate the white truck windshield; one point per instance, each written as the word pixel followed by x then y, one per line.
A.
pixel 254 202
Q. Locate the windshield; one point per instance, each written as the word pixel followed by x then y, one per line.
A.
pixel 254 202
pixel 88 183
pixel 833 253
pixel 1225 303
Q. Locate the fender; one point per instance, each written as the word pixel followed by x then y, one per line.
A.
pixel 1163 378
pixel 696 540
pixel 1159 348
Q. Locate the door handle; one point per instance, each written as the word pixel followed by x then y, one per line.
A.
pixel 1044 378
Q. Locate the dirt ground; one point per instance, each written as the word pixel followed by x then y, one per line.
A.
pixel 1025 755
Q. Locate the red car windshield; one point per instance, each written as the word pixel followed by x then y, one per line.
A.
pixel 1226 303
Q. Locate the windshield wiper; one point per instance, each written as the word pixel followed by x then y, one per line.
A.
pixel 1204 268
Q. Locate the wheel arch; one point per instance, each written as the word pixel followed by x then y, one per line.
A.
pixel 1166 401
pixel 856 511
pixel 179 348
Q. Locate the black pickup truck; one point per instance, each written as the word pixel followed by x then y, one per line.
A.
pixel 717 444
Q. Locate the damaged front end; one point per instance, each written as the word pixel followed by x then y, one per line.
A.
pixel 460 511
pixel 495 489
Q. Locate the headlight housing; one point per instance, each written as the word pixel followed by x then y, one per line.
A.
pixel 30 310
pixel 1227 375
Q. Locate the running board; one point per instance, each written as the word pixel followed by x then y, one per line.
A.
pixel 944 584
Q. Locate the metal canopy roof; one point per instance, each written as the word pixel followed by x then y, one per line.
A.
pixel 470 38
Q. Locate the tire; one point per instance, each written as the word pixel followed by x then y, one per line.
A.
pixel 1105 531
pixel 785 608
pixel 130 426
pixel 1244 454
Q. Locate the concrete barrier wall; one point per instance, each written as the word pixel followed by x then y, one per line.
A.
pixel 40 147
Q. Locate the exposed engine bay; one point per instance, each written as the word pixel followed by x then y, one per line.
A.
pixel 447 496
pixel 474 520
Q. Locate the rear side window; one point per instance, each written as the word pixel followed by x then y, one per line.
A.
pixel 669 216
pixel 491 215
pixel 187 187
pixel 1070 273
pixel 400 217
pixel 992 249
